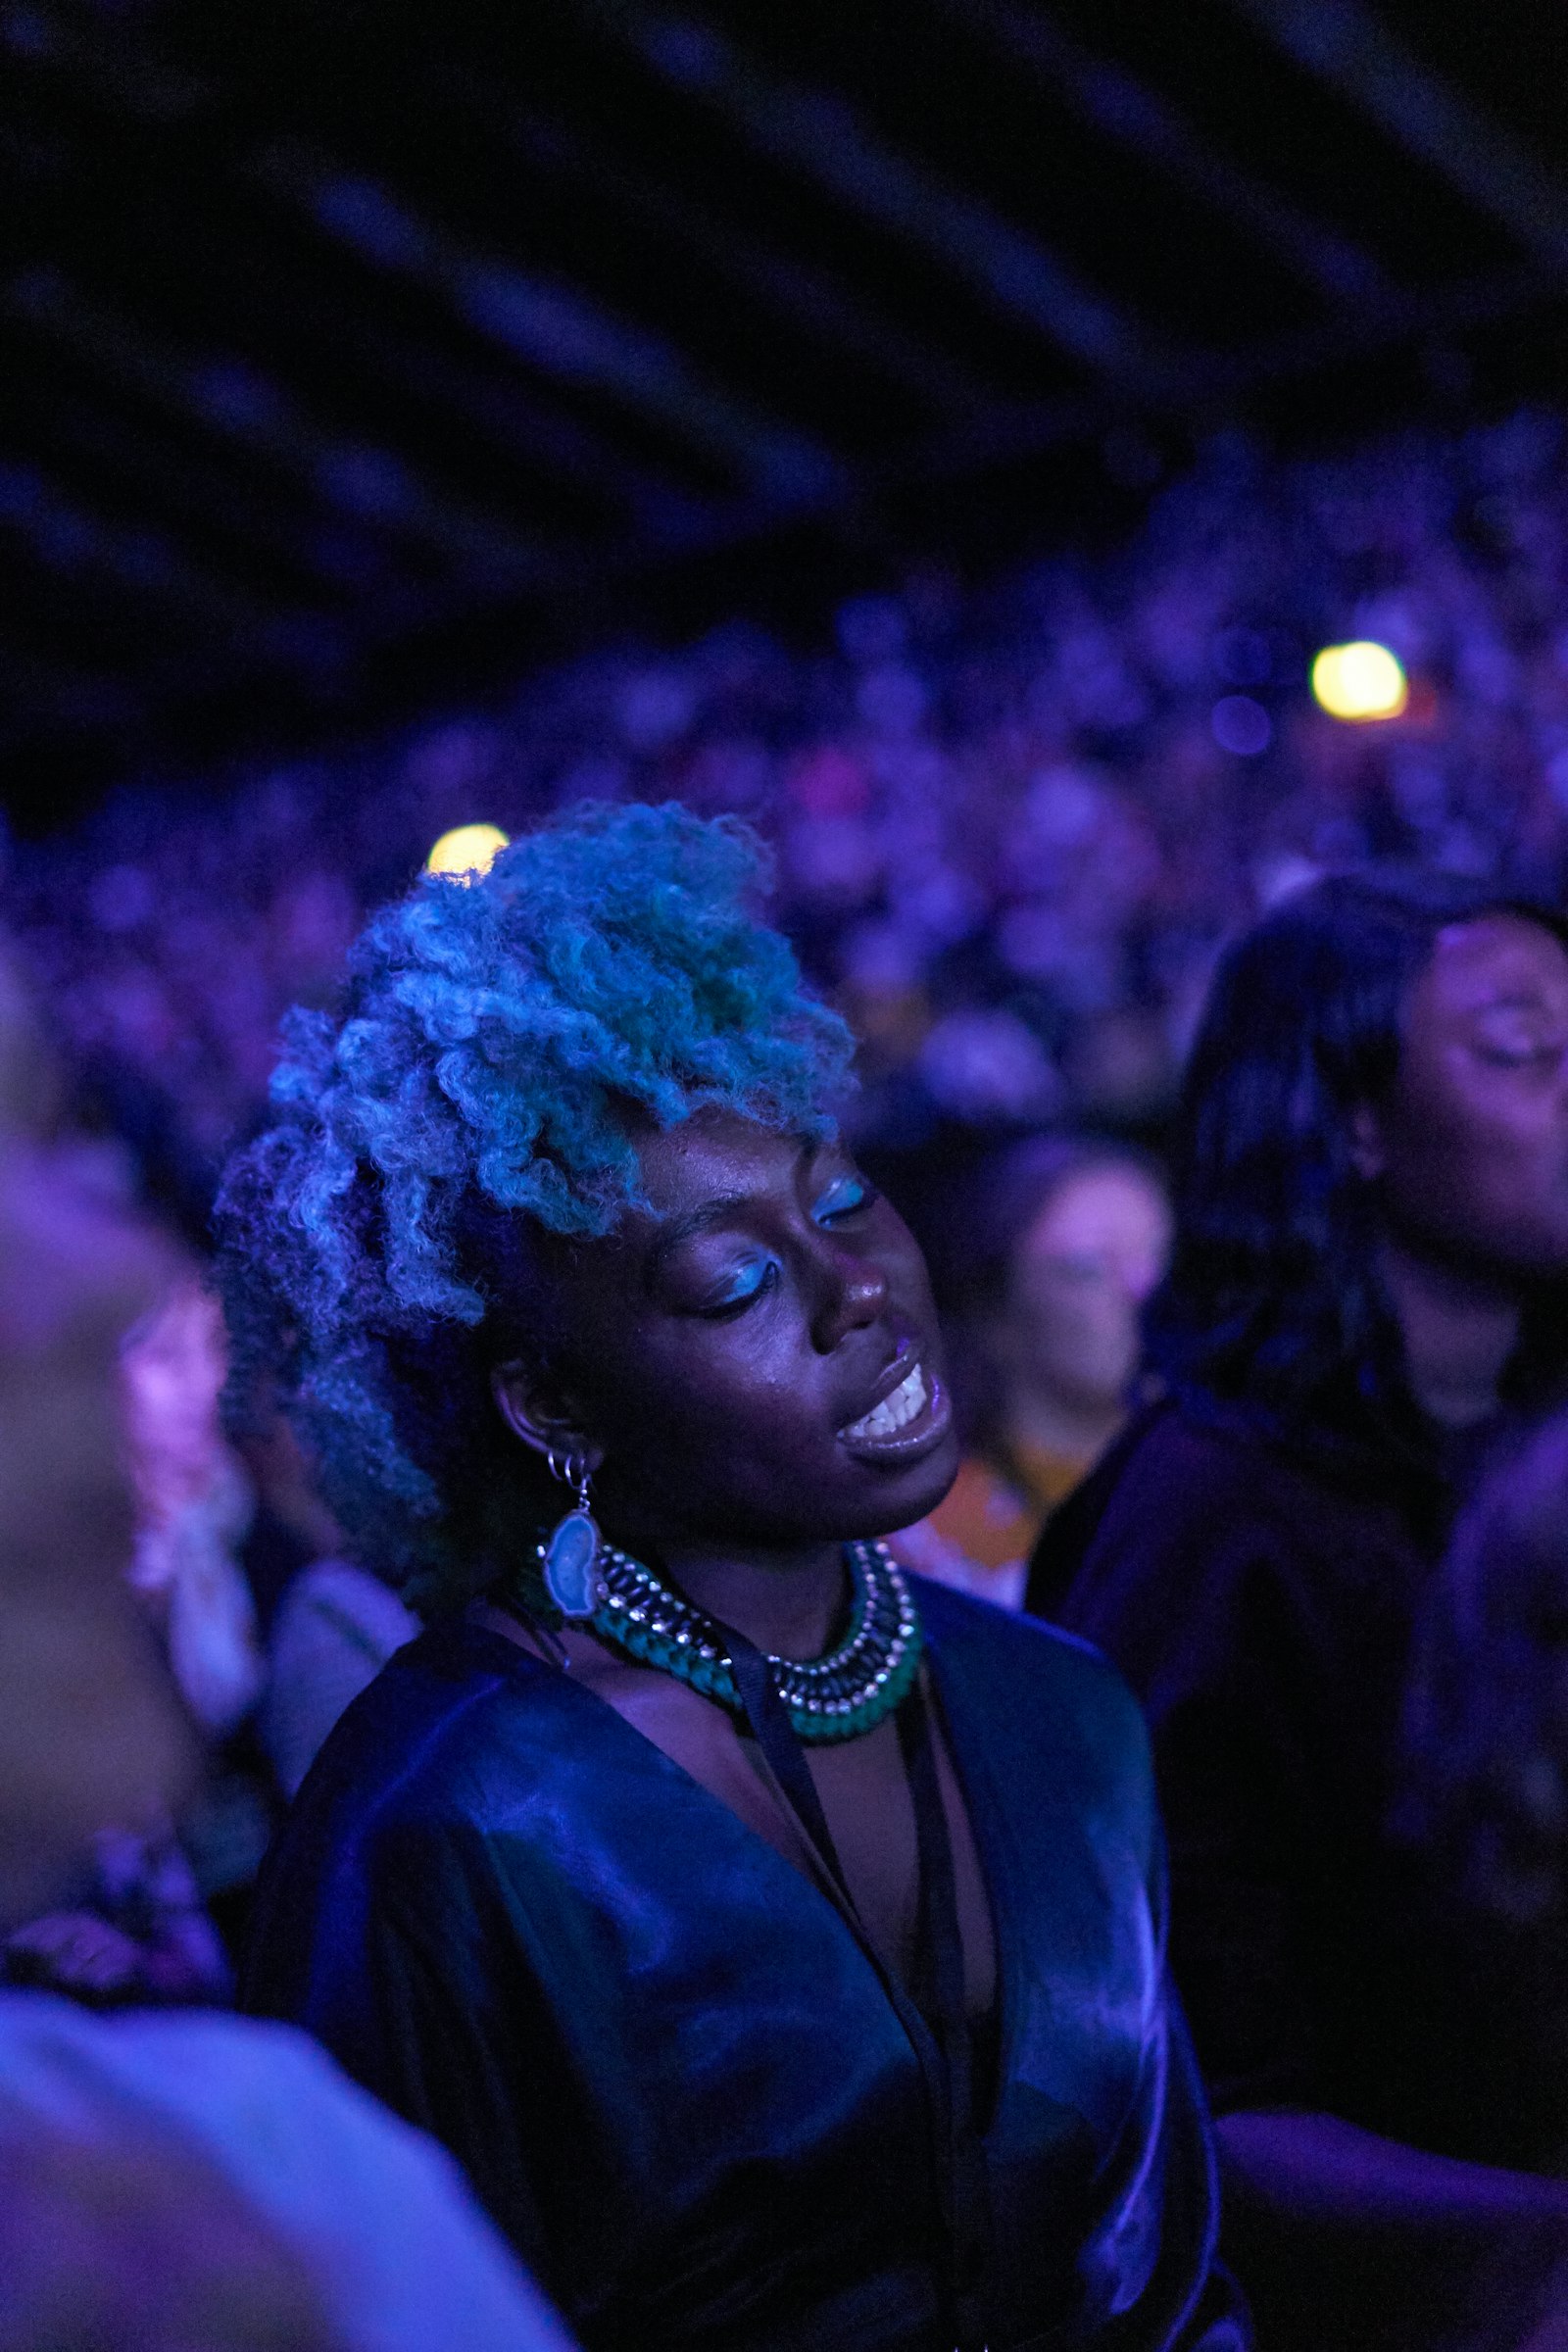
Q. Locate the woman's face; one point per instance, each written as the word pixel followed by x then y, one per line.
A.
pixel 1472 1147
pixel 753 1358
pixel 1078 1281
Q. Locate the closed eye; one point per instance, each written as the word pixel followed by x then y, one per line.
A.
pixel 746 1285
pixel 843 1198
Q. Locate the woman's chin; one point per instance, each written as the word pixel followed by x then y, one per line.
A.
pixel 898 1494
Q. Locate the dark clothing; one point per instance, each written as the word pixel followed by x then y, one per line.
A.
pixel 666 2060
pixel 1260 1599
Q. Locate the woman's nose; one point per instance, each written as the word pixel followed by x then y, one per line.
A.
pixel 854 1293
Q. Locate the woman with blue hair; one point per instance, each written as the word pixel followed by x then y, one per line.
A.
pixel 777 1942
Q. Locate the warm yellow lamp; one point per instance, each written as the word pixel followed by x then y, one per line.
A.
pixel 1360 681
pixel 467 851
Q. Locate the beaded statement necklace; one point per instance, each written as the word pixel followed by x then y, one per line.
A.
pixel 846 1691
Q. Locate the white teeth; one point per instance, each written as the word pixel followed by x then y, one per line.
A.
pixel 894 1412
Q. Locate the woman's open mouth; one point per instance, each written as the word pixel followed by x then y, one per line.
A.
pixel 909 1420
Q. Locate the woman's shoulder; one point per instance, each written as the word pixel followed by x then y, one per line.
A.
pixel 452 1760
pixel 266 2107
pixel 1034 1687
pixel 453 1718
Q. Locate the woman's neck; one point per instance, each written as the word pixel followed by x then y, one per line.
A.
pixel 1459 1330
pixel 788 1603
pixel 1079 1427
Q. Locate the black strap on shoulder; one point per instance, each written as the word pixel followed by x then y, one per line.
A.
pixel 938 2025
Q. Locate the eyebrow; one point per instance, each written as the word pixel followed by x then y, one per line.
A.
pixel 697 1220
pixel 716 1211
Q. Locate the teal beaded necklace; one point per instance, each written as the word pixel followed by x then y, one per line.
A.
pixel 846 1691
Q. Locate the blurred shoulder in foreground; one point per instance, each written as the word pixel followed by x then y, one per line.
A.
pixel 167 2184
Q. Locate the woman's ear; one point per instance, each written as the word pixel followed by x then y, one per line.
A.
pixel 1368 1150
pixel 534 1410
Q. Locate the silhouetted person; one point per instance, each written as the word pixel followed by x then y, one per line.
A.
pixel 1483 1804
pixel 1372 1232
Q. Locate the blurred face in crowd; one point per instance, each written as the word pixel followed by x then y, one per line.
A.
pixel 91 1730
pixel 1078 1280
pixel 1471 1149
pixel 174 1364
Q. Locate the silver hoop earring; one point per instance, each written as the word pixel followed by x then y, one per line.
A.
pixel 571 1556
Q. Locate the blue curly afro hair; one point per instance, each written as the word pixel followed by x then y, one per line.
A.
pixel 500 1043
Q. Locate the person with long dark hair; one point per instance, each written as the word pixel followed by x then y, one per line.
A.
pixel 1366 1292
pixel 778 1944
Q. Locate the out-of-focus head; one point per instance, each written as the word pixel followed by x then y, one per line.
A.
pixel 1381 1055
pixel 174 1362
pixel 596 1054
pixel 194 1500
pixel 91 1730
pixel 1091 1234
pixel 1486 1719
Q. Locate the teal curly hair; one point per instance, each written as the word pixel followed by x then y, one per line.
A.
pixel 500 1040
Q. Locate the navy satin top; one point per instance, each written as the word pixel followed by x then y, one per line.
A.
pixel 664 2058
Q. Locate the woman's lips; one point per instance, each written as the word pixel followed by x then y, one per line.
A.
pixel 911 1419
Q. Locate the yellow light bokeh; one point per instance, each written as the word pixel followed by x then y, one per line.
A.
pixel 467 851
pixel 1359 681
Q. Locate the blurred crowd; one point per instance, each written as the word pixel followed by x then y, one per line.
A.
pixel 171 2179
pixel 1013 824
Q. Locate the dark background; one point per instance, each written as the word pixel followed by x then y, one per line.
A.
pixel 358 357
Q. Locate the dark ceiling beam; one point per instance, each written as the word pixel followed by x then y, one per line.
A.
pixel 818 135
pixel 1410 319
pixel 808 297
pixel 556 328
pixel 1418 319
pixel 63 535
pixel 1116 103
pixel 204 490
pixel 1347 46
pixel 233 402
pixel 111 60
pixel 35 691
pixel 517 419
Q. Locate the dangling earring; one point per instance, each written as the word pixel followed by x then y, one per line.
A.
pixel 571 1555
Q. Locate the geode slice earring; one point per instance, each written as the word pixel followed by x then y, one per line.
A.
pixel 570 1558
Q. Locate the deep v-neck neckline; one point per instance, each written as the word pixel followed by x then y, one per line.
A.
pixel 995 2023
